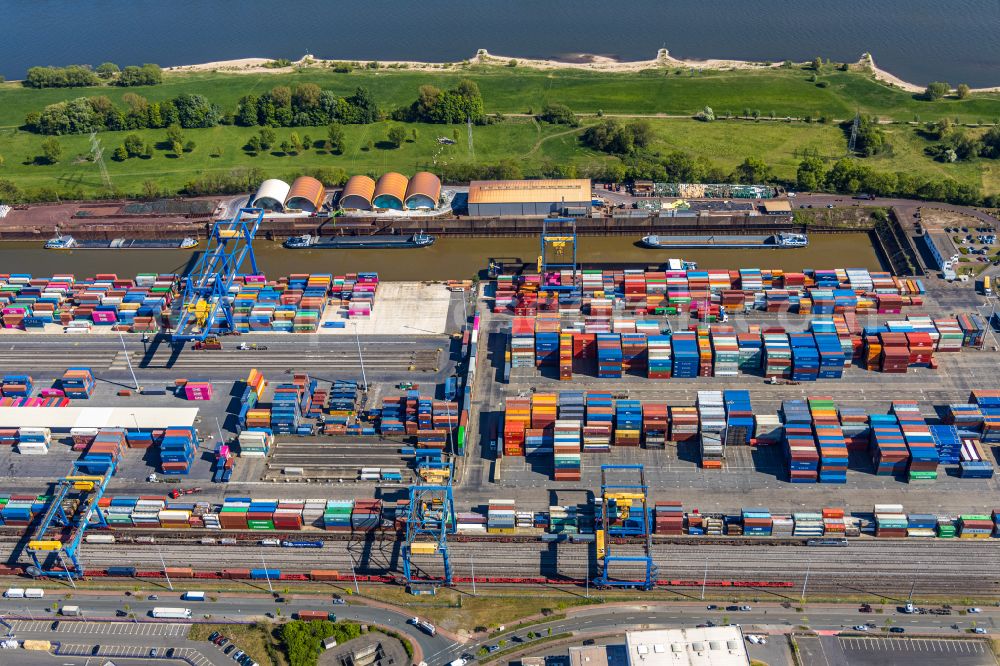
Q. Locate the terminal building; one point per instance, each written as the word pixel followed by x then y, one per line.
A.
pixel 498 198
pixel 705 646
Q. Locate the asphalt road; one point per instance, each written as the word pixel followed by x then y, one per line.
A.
pixel 769 618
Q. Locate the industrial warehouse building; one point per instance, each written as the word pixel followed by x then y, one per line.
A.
pixel 423 191
pixel 358 193
pixel 703 646
pixel 393 191
pixel 390 191
pixel 306 194
pixel 271 195
pixel 493 198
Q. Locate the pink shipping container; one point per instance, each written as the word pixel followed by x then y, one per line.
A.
pixel 198 391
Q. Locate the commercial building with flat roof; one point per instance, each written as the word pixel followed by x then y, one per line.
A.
pixel 706 646
pixel 492 198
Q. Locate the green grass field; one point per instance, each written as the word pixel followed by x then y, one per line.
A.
pixel 535 147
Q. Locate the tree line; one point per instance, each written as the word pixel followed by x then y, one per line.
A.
pixel 90 114
pixel 302 105
pixel 80 76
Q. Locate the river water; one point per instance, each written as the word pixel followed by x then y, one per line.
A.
pixel 448 258
pixel 919 40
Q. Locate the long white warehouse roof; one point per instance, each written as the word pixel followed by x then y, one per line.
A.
pixel 65 418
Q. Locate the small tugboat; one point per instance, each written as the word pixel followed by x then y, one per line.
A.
pixel 66 242
pixel 378 242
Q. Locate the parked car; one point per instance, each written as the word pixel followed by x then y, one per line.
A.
pixel 153 652
pixel 212 636
pixel 229 649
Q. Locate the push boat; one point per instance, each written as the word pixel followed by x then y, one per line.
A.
pixel 65 242
pixel 377 242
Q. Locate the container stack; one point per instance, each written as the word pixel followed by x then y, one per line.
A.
pixel 712 423
pixel 563 520
pixel 522 342
pixel 628 422
pixel 366 515
pixel 805 357
pixel 599 422
pixel 256 442
pixel 751 352
pixel 517 418
pixel 777 356
pixel 887 445
pixel 198 390
pixel 78 383
pixel 890 521
pixel 33 441
pixel 756 522
pixel 668 518
pixel 831 355
pixel 501 517
pixel 683 424
pixel 829 439
pixel 565 356
pixel 808 524
pixel 974 526
pixel 974 462
pixel 834 524
pixel 337 515
pixel 546 340
pixel 566 450
pixel 989 405
pixel 966 417
pixel 659 362
pixel 177 449
pixel 286 408
pixel 16 386
pixel 947 443
pixel 854 424
pixel 923 455
pixel 684 348
pixel 224 463
pixel 921 525
pixel 726 355
pixel 800 442
pixel 655 425
pixel 739 418
pixel 106 449
pixel 609 356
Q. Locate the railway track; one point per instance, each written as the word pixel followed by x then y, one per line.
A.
pixel 867 566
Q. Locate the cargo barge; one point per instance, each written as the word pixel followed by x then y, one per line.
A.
pixel 65 242
pixel 778 240
pixel 376 242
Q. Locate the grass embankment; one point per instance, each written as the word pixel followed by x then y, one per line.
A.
pixel 536 148
pixel 456 610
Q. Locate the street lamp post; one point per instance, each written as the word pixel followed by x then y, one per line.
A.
pixel 354 575
pixel 472 561
pixel 128 360
pixel 704 580
pixel 806 582
pixel 267 574
pixel 361 357
pixel 165 574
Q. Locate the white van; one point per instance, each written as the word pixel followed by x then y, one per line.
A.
pixel 34 593
pixel 14 593
pixel 193 596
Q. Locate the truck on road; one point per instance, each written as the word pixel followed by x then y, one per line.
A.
pixel 167 612
pixel 424 626
pixel 193 596
pixel 70 611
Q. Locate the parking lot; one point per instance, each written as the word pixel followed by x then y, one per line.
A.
pixel 878 651
pixel 136 652
pixel 105 628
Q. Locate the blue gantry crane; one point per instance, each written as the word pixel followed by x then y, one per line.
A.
pixel 206 308
pixel 624 512
pixel 557 252
pixel 429 521
pixel 54 550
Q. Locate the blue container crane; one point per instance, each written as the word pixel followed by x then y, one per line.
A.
pixel 624 511
pixel 430 520
pixel 52 553
pixel 207 307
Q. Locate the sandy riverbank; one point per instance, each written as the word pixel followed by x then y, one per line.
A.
pixel 582 61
